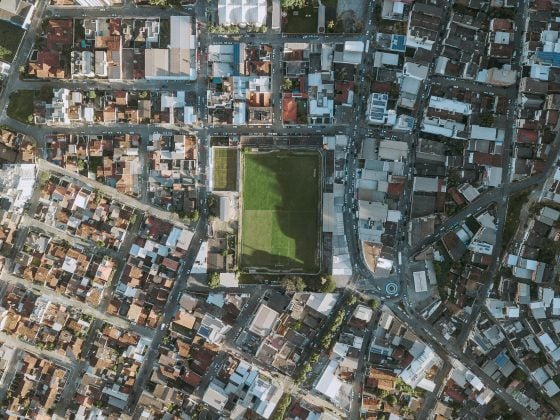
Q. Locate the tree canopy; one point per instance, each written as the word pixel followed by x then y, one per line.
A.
pixel 214 280
pixel 293 284
pixel 160 3
pixel 293 4
pixel 5 53
pixel 328 286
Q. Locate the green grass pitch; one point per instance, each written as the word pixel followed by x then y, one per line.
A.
pixel 225 169
pixel 280 211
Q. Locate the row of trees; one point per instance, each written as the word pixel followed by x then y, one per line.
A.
pixel 234 29
pixel 282 407
pixel 292 284
pixel 326 340
pixel 293 4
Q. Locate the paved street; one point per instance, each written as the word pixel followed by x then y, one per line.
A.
pixel 356 131
pixel 442 346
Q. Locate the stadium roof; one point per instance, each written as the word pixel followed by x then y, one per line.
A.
pixel 235 12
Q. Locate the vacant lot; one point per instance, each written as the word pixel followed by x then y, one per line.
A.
pixel 10 37
pixel 301 21
pixel 280 211
pixel 225 169
pixel 20 106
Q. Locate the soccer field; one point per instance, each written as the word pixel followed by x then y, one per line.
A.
pixel 280 211
pixel 225 169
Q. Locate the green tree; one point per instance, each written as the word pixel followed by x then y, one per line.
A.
pixel 5 54
pixel 293 4
pixel 282 407
pixel 293 284
pixel 287 84
pixel 374 304
pixel 487 119
pixel 326 341
pixel 519 375
pixel 391 399
pixel 382 393
pixel 194 215
pixel 214 280
pixel 329 285
pixel 159 3
pixel 211 202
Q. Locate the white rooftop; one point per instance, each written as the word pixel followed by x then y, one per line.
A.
pixel 450 105
pixel 235 12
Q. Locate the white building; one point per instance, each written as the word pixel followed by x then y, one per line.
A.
pixel 82 64
pixel 377 112
pixel 178 62
pixel 16 184
pixel 412 77
pixel 351 53
pixel 242 12
pixel 329 385
pixel 450 105
pixel 487 133
pixel 415 373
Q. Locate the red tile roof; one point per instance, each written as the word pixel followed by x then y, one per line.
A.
pixel 395 189
pixel 341 91
pixel 192 378
pixel 527 136
pixel 289 109
pixel 458 198
pixel 487 159
pixel 59 33
pixel 502 25
pixel 543 5
pixel 169 263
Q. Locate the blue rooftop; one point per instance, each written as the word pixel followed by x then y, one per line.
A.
pixel 204 332
pixel 549 57
pixel 501 360
pixel 236 55
pixel 398 43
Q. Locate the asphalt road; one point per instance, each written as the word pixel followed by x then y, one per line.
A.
pixel 437 342
pixel 356 132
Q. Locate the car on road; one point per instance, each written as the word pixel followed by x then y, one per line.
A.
pixel 163 326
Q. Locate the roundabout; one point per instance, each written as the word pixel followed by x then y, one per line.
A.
pixel 391 288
